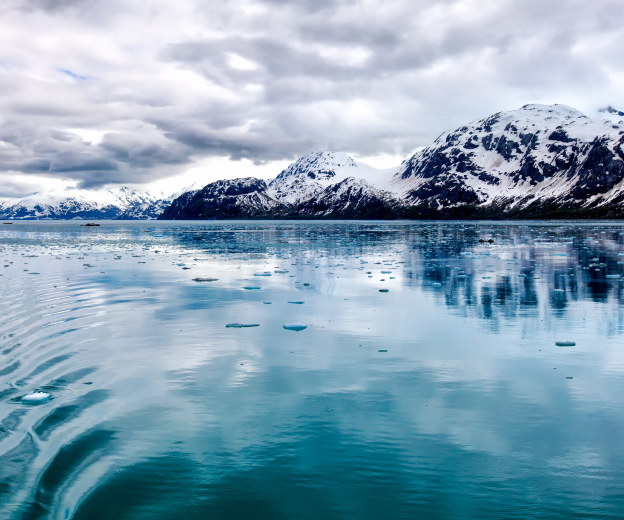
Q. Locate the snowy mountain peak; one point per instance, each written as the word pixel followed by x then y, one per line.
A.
pixel 318 162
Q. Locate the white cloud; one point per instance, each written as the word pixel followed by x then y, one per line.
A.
pixel 134 92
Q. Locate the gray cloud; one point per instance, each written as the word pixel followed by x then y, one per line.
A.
pixel 163 84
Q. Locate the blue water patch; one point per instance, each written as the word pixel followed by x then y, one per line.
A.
pixel 477 381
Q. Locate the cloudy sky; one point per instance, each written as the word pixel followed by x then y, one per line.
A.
pixel 161 93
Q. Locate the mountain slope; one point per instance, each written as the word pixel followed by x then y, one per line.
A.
pixel 236 198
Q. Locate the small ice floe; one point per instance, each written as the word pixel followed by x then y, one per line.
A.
pixel 241 325
pixel 384 290
pixel 262 274
pixel 436 284
pixel 250 288
pixel 267 303
pixel 612 276
pixel 295 326
pixel 205 279
pixel 558 290
pixel 565 343
pixel 382 351
pixel 35 397
pixel 297 303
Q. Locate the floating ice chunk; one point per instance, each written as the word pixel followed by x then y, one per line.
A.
pixel 565 343
pixel 382 351
pixel 607 276
pixel 297 303
pixel 267 303
pixel 436 284
pixel 295 326
pixel 384 290
pixel 205 279
pixel 251 288
pixel 36 397
pixel 241 325
pixel 262 274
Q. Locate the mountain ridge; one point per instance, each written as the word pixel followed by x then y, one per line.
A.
pixel 539 161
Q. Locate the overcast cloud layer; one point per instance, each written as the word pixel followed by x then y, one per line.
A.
pixel 98 92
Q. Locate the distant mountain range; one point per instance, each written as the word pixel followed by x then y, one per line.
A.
pixel 107 203
pixel 540 161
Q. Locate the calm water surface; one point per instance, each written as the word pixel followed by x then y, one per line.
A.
pixel 444 397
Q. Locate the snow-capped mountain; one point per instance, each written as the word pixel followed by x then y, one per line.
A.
pixel 321 184
pixel 521 161
pixel 106 203
pixel 537 161
pixel 307 177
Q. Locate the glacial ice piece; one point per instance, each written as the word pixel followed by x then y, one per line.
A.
pixel 36 397
pixel 436 284
pixel 241 325
pixel 267 303
pixel 251 288
pixel 565 343
pixel 613 276
pixel 297 303
pixel 295 326
pixel 205 279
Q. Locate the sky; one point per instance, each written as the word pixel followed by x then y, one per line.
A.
pixel 159 94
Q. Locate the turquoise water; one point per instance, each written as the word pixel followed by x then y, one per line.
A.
pixel 444 397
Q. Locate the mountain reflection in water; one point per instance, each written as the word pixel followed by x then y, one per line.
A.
pixel 445 397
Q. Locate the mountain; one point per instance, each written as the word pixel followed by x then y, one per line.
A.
pixel 540 161
pixel 238 198
pixel 319 185
pixel 107 203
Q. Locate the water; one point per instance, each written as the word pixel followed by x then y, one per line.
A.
pixel 445 397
